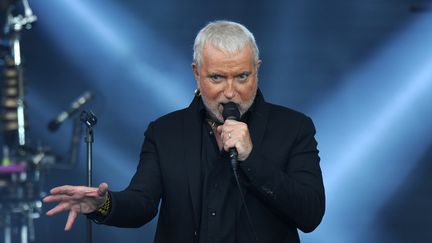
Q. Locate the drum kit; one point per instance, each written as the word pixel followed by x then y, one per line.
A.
pixel 22 168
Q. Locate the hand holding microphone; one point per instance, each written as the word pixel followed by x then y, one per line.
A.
pixel 235 134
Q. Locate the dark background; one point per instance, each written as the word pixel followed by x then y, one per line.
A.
pixel 361 69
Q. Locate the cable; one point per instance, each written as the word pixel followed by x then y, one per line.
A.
pixel 234 163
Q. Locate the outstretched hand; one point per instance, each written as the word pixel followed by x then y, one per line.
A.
pixel 76 199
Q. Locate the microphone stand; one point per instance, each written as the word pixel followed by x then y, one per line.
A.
pixel 90 121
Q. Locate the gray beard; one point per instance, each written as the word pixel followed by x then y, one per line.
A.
pixel 214 114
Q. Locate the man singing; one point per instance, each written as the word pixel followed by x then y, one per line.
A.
pixel 185 160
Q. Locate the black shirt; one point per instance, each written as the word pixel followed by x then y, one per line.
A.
pixel 219 194
pixel 220 204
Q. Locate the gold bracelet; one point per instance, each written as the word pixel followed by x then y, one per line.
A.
pixel 105 208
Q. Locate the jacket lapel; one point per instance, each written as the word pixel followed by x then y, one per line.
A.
pixel 192 144
pixel 257 125
pixel 258 120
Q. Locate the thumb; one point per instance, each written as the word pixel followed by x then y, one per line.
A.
pixel 219 128
pixel 102 189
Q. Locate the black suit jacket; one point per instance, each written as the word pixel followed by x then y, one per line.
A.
pixel 282 177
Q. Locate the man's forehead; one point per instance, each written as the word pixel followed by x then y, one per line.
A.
pixel 213 56
pixel 210 47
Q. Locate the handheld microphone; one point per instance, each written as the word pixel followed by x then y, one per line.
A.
pixel 55 123
pixel 231 112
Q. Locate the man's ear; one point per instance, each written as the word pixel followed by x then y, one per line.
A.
pixel 196 75
pixel 195 71
pixel 258 64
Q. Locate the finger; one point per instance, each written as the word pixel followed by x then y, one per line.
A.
pixel 230 122
pixel 89 192
pixel 102 189
pixel 224 138
pixel 57 198
pixel 97 192
pixel 229 136
pixel 70 220
pixel 228 144
pixel 47 199
pixel 225 132
pixel 63 206
pixel 63 190
pixel 226 127
pixel 219 128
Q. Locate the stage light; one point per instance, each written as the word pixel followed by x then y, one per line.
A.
pixel 372 130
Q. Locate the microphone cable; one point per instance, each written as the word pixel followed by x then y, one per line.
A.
pixel 249 219
pixel 231 112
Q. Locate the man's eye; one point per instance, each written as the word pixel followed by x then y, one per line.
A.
pixel 216 77
pixel 243 77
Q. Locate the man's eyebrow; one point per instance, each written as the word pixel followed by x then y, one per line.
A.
pixel 215 74
pixel 243 73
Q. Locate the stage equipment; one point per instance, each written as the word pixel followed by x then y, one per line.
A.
pixel 23 167
pixel 90 120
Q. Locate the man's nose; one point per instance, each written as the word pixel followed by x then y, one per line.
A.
pixel 229 91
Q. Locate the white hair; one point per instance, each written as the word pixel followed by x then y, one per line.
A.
pixel 225 35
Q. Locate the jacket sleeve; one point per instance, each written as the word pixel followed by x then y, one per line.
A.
pixel 293 187
pixel 138 203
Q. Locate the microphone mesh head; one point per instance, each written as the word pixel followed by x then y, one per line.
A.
pixel 231 111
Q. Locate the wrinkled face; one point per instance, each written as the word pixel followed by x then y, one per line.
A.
pixel 223 77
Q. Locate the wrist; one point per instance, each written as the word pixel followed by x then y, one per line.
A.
pixel 105 207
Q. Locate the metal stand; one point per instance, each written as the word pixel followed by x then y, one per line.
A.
pixel 90 121
pixel 89 140
pixel 21 167
pixel 17 223
pixel 13 29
